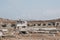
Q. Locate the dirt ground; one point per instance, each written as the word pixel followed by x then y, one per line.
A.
pixel 33 37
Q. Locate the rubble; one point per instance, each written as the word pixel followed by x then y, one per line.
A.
pixel 30 30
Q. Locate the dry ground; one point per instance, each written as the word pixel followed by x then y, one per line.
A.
pixel 33 37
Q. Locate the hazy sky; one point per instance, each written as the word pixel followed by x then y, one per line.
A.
pixel 30 9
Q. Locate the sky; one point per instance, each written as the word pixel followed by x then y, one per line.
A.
pixel 30 9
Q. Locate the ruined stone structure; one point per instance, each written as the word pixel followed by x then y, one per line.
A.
pixel 32 28
pixel 7 26
pixel 48 26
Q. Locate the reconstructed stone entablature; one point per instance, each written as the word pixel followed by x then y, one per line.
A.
pixel 46 23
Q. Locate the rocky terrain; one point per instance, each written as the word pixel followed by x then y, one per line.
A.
pixel 33 36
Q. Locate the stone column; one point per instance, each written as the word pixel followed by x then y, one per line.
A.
pixel 55 24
